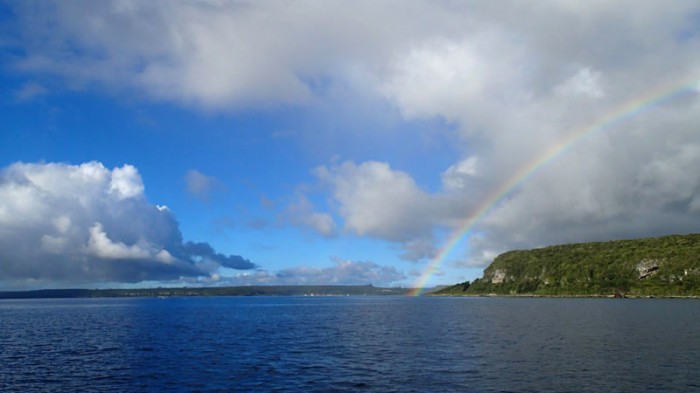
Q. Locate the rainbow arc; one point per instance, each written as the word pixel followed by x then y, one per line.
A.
pixel 613 118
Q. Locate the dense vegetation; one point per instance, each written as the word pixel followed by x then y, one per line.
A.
pixel 279 290
pixel 663 266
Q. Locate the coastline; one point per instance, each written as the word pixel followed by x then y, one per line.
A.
pixel 281 290
pixel 600 296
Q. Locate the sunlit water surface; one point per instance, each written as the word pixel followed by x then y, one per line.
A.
pixel 383 344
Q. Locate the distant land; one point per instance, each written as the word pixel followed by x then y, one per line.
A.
pixel 290 290
pixel 667 266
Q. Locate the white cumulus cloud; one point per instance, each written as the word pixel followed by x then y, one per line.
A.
pixel 86 223
pixel 378 201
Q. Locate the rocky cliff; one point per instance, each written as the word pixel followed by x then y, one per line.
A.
pixel 663 266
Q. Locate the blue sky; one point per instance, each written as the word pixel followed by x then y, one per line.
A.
pixel 312 142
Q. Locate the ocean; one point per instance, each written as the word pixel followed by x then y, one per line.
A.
pixel 349 344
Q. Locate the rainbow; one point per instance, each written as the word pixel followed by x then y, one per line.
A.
pixel 611 119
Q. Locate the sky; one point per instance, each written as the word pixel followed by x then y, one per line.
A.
pixel 392 143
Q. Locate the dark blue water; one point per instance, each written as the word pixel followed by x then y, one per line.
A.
pixel 383 344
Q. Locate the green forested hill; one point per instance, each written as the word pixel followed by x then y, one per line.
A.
pixel 663 266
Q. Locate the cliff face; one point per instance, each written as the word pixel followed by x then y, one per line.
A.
pixel 664 266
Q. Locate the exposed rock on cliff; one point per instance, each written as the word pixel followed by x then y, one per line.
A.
pixel 498 276
pixel 647 267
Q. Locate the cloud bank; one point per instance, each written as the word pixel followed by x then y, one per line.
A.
pixel 211 54
pixel 342 272
pixel 87 223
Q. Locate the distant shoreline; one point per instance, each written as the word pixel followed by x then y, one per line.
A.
pixel 289 290
pixel 279 290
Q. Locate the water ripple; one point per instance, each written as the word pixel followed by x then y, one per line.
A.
pixel 349 345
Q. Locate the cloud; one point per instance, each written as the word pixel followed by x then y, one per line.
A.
pixel 99 245
pixel 585 82
pixel 211 54
pixel 457 176
pixel 417 249
pixel 200 185
pixel 86 223
pixel 448 77
pixel 375 200
pixel 30 91
pixel 126 183
pixel 301 213
pixel 343 272
pixel 204 252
